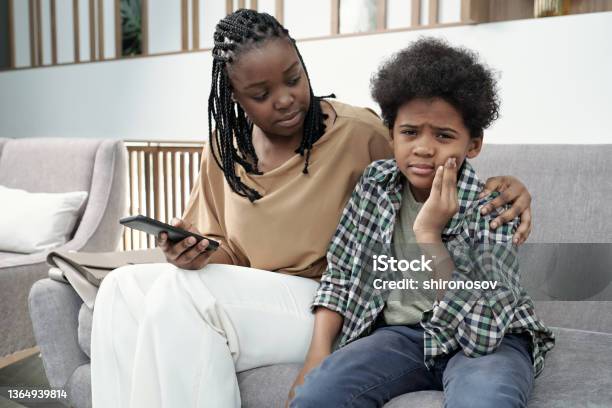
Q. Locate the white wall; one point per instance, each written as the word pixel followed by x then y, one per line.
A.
pixel 84 38
pixel 305 19
pixel 22 33
pixel 164 26
pixel 65 36
pixel 556 84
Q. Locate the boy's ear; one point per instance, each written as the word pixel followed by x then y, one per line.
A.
pixel 474 147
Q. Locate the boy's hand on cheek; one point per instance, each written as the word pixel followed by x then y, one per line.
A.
pixel 441 205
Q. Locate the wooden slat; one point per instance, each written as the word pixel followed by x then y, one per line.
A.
pixel 501 10
pixel 17 356
pixel 126 240
pixel 165 180
pixel 131 195
pixel 183 181
pixel 100 30
pixel 11 33
pixel 141 206
pixel 192 159
pixel 32 22
pixel 195 24
pixel 175 211
pixel 126 233
pixel 433 12
pixel 381 14
pixel 194 171
pixel 465 10
pixel 92 30
pixel 254 5
pixel 229 6
pixel 53 32
pixel 75 30
pixel 279 10
pixel 476 11
pixel 156 158
pixel 191 149
pixel 586 6
pixel 144 9
pixel 39 48
pixel 184 25
pixel 415 13
pixel 335 17
pixel 241 4
pixel 118 30
pixel 147 175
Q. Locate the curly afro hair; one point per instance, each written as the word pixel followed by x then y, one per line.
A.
pixel 431 68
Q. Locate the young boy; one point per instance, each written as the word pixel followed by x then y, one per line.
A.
pixel 482 345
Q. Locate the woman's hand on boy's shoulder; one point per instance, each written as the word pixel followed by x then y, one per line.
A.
pixel 441 205
pixel 514 192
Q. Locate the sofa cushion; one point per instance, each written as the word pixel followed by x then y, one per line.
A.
pixel 52 157
pixel 78 387
pixel 580 357
pixel 84 332
pixel 34 222
pixel 567 182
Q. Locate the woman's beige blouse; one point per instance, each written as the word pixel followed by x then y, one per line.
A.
pixel 289 229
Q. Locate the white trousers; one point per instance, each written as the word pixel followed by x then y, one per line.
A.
pixel 167 337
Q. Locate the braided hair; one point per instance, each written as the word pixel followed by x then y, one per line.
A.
pixel 239 32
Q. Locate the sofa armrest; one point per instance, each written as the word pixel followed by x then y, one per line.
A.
pixel 54 309
pixel 99 229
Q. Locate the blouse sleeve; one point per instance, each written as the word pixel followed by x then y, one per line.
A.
pixel 202 211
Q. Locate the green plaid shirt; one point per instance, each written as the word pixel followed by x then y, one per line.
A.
pixel 472 320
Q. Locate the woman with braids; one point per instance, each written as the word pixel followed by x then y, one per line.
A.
pixel 280 166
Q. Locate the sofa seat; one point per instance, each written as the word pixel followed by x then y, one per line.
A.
pixel 579 357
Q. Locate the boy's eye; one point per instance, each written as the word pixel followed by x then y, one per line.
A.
pixel 445 136
pixel 409 132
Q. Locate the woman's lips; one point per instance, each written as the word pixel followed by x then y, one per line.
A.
pixel 291 120
pixel 421 169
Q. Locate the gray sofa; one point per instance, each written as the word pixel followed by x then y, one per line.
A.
pixel 572 197
pixel 53 166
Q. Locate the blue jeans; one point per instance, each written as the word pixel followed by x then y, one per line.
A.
pixel 389 362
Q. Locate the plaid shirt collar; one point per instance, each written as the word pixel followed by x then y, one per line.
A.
pixel 390 177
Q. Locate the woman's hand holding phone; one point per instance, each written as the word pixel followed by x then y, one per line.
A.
pixel 185 254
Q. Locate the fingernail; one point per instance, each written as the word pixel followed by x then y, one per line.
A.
pixel 493 225
pixel 515 240
pixel 202 244
pixel 484 210
pixel 453 162
pixel 191 240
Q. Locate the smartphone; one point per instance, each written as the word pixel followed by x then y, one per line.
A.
pixel 154 227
